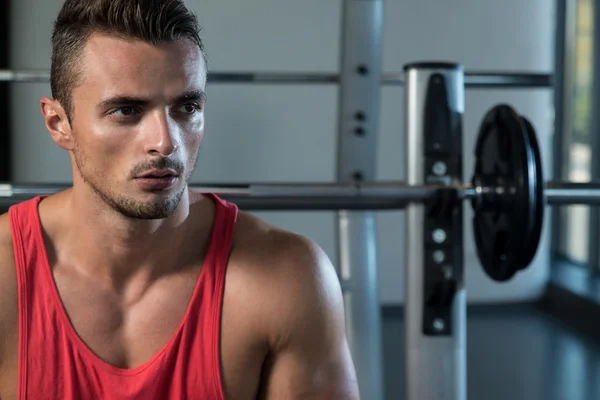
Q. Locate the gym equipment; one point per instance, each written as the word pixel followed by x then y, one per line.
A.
pixel 360 80
pixel 473 79
pixel 506 161
pixel 307 196
pixel 506 192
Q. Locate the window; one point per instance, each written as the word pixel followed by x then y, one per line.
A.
pixel 576 164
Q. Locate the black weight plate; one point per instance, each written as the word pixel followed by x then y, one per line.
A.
pixel 502 223
pixel 540 199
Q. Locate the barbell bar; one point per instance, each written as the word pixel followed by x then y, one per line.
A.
pixel 473 79
pixel 325 196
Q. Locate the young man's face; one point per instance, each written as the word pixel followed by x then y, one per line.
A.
pixel 139 110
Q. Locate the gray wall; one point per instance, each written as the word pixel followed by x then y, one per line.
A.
pixel 288 133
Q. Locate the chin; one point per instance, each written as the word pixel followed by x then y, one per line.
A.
pixel 153 209
pixel 149 206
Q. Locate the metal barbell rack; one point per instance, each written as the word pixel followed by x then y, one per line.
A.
pixel 360 80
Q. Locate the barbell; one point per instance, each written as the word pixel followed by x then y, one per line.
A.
pixel 316 196
pixel 473 79
pixel 507 193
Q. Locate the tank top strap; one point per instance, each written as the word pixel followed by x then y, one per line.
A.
pixel 223 230
pixel 207 302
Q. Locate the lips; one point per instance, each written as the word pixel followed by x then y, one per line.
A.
pixel 157 174
pixel 157 180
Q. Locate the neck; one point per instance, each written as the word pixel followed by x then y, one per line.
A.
pixel 113 247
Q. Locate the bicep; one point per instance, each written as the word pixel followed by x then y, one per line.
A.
pixel 311 371
pixel 310 358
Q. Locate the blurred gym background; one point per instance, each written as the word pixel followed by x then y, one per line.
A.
pixel 536 337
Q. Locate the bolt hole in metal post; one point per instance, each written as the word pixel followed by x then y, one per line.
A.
pixel 358 176
pixel 360 116
pixel 362 70
pixel 439 236
pixel 439 256
pixel 439 168
pixel 360 131
pixel 439 325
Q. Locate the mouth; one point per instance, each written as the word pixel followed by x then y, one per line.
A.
pixel 159 174
pixel 158 180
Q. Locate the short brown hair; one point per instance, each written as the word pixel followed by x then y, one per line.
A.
pixel 153 21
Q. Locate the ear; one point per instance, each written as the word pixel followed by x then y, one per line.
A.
pixel 57 123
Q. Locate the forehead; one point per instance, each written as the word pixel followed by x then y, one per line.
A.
pixel 134 65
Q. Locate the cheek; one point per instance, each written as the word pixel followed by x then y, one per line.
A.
pixel 194 140
pixel 192 146
pixel 192 137
pixel 103 149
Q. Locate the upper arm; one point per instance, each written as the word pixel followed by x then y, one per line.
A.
pixel 310 357
pixel 8 289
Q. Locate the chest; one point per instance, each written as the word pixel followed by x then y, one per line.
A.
pixel 127 335
pixel 125 330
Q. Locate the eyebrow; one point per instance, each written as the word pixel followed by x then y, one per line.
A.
pixel 193 95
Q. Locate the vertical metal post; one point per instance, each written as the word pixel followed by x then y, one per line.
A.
pixel 566 28
pixel 359 100
pixel 435 298
pixel 559 86
pixel 594 229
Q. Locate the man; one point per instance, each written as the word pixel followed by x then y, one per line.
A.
pixel 131 286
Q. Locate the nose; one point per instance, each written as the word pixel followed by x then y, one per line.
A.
pixel 160 139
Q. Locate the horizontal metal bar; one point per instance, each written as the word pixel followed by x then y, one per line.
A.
pixel 316 204
pixel 502 80
pixel 392 195
pixel 490 80
pixel 302 196
pixel 281 203
pixel 24 76
pixel 272 78
pixel 477 80
pixel 556 193
pixel 387 189
pixel 572 193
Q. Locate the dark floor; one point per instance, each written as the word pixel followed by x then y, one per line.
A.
pixel 513 353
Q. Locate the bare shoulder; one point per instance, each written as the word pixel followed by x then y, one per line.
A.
pixel 297 297
pixel 279 256
pixel 255 234
pixel 8 285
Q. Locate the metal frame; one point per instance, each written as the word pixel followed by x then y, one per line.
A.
pixel 556 192
pixel 594 228
pixel 436 366
pixel 473 79
pixel 560 58
pixel 566 29
pixel 435 297
pixel 378 195
pixel 565 76
pixel 358 115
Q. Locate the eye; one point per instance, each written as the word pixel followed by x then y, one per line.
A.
pixel 190 108
pixel 124 111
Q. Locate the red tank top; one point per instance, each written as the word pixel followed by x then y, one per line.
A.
pixel 55 364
